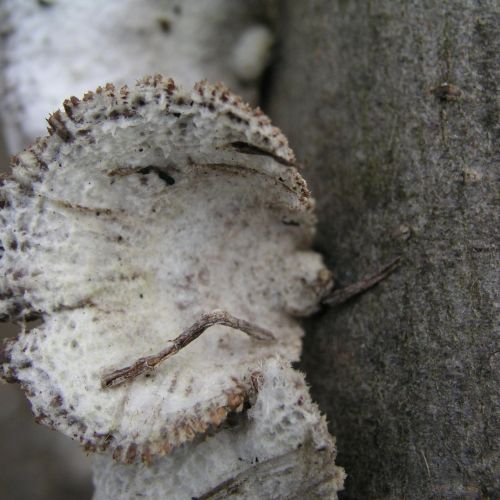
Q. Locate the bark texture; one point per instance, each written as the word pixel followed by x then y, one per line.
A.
pixel 393 108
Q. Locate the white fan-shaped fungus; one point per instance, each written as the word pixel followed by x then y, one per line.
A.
pixel 144 210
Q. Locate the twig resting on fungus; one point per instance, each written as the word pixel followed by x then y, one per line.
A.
pixel 342 295
pixel 147 363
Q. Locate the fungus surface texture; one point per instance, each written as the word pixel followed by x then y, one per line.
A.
pixel 143 210
pixel 280 448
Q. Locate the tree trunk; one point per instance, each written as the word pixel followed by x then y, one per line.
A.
pixel 393 108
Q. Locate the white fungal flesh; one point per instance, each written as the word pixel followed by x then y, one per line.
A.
pixel 144 209
pixel 281 449
pixel 53 49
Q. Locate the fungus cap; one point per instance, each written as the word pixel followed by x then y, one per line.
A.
pixel 142 210
pixel 280 448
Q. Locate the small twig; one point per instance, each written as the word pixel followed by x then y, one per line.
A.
pixel 147 363
pixel 342 295
pixel 426 464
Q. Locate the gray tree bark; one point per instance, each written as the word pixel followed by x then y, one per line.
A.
pixel 393 108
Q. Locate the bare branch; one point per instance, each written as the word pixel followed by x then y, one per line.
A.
pixel 342 295
pixel 148 363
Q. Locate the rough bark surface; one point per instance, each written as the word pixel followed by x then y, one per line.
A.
pixel 402 164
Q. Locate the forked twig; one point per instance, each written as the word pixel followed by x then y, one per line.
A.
pixel 342 295
pixel 147 363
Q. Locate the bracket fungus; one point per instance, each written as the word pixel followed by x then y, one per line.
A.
pixel 143 212
pixel 281 449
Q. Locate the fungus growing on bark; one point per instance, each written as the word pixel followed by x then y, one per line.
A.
pixel 280 448
pixel 141 212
